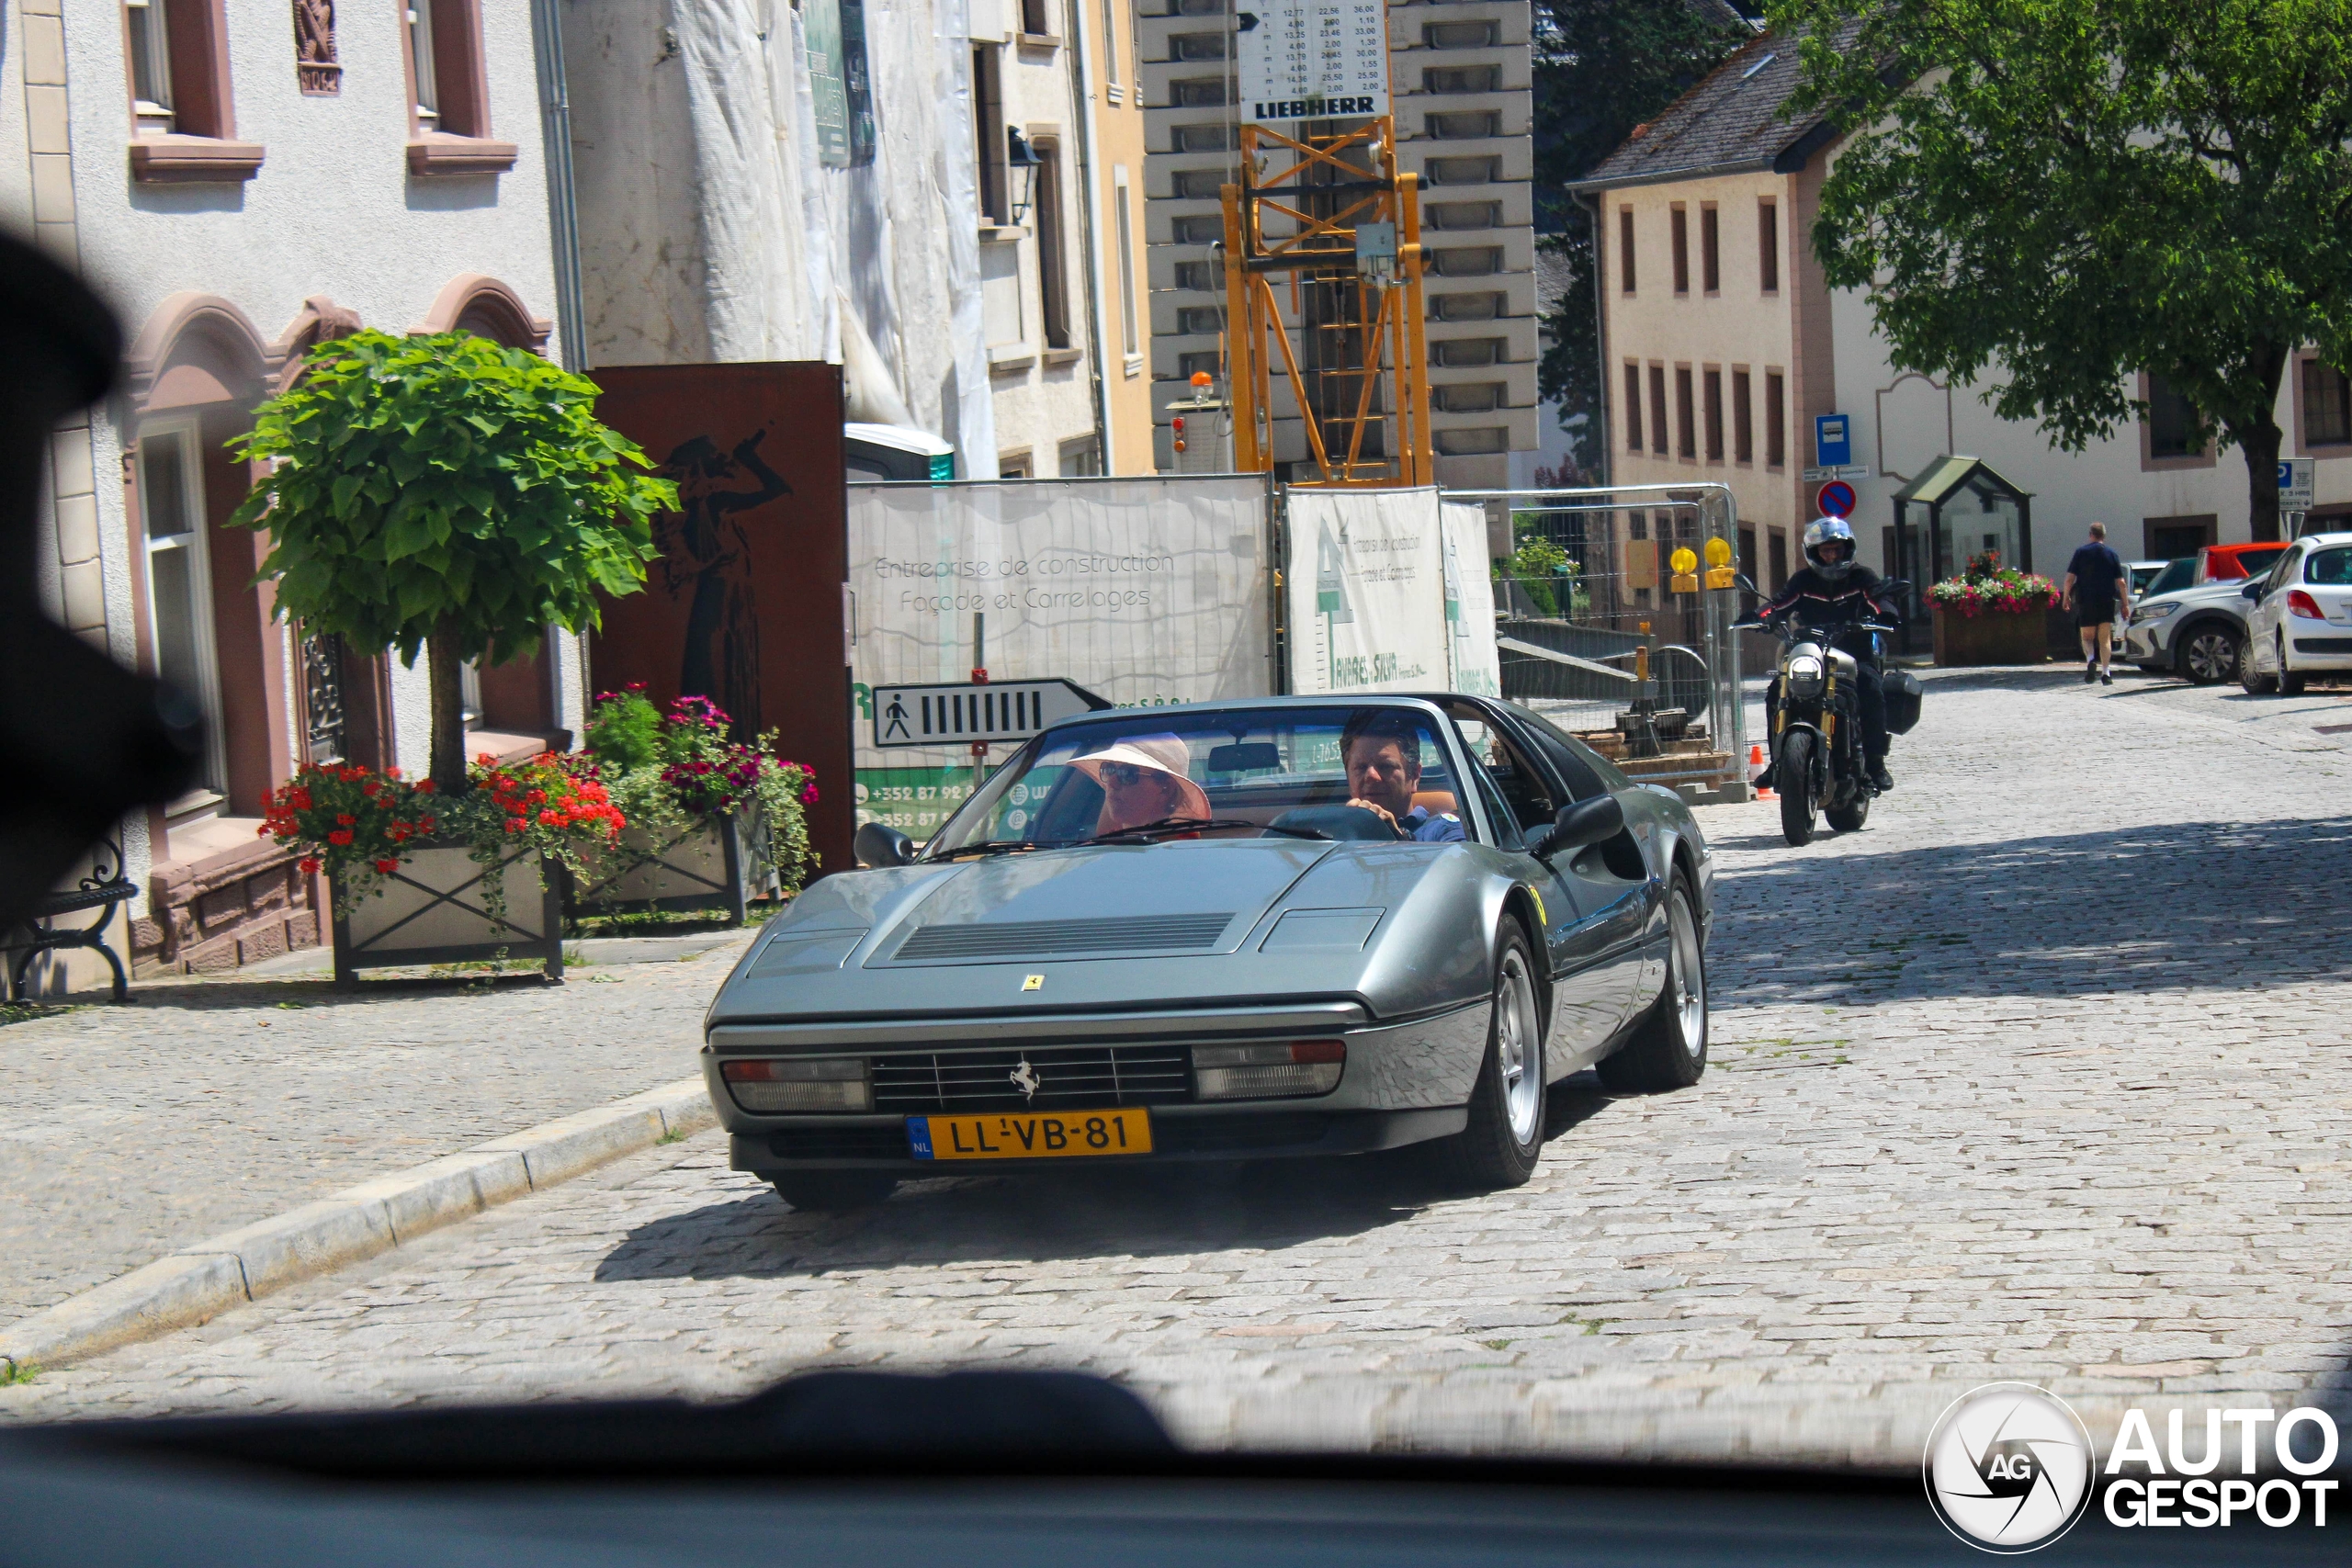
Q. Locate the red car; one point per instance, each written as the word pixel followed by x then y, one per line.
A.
pixel 2225 563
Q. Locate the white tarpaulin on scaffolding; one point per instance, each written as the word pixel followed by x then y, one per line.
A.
pixel 1366 587
pixel 759 180
pixel 1476 663
pixel 1144 591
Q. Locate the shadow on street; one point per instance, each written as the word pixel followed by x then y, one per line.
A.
pixel 1127 1210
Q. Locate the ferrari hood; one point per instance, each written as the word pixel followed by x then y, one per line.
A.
pixel 1198 923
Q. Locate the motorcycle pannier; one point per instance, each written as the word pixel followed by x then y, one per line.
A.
pixel 1903 694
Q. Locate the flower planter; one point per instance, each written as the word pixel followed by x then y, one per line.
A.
pixel 1992 638
pixel 432 910
pixel 703 867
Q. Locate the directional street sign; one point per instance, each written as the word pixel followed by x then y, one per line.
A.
pixel 1842 471
pixel 1312 60
pixel 950 714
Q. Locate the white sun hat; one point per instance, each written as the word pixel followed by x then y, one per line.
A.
pixel 1160 753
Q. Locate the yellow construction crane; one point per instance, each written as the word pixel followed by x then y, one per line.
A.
pixel 1359 369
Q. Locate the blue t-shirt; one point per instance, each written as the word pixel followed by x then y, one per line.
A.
pixel 2095 567
pixel 1445 827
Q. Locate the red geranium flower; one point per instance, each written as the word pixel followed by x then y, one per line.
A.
pixel 387 866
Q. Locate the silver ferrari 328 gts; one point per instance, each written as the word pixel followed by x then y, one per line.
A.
pixel 1240 930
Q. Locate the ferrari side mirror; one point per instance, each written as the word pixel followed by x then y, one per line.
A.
pixel 879 844
pixel 1586 822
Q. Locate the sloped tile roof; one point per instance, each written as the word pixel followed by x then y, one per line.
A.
pixel 1730 120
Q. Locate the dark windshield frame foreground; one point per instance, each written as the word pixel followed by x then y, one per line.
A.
pixel 961 834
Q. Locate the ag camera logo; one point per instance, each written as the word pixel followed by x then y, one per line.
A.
pixel 2010 1468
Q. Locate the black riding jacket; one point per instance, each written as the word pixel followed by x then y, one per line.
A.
pixel 1815 601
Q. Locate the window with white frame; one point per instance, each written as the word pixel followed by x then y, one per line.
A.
pixel 179 584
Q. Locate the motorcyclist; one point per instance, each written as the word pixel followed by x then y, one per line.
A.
pixel 1832 590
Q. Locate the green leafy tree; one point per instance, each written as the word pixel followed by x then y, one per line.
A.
pixel 1601 67
pixel 2055 195
pixel 447 493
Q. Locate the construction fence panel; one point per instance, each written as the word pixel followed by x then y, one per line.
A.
pixel 1366 590
pixel 1143 591
pixel 1584 581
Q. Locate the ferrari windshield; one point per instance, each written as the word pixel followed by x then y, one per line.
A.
pixel 1349 772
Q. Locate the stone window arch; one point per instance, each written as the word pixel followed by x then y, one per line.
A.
pixel 478 303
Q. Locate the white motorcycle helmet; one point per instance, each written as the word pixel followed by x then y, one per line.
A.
pixel 1823 532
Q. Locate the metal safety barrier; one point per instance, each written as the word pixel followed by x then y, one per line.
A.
pixel 1589 583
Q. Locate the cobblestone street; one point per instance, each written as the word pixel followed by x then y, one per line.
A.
pixel 2043 1075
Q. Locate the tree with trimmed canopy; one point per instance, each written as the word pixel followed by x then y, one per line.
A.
pixel 445 493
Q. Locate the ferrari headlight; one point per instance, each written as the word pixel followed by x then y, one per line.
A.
pixel 1804 676
pixel 1268 1071
pixel 2145 613
pixel 819 1083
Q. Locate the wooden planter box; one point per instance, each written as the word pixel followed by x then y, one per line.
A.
pixel 704 867
pixel 1992 638
pixel 431 911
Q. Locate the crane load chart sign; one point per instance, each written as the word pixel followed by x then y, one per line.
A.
pixel 1313 60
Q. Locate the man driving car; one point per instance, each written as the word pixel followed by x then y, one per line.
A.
pixel 1382 749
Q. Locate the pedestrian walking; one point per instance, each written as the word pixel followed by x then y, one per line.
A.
pixel 2097 593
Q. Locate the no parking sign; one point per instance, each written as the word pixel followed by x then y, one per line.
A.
pixel 1836 500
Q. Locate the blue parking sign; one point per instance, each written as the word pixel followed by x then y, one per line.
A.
pixel 1833 447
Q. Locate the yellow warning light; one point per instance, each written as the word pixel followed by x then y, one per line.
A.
pixel 1683 562
pixel 1720 576
pixel 1203 378
pixel 1719 551
pixel 1683 582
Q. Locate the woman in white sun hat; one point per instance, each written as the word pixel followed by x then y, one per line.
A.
pixel 1143 781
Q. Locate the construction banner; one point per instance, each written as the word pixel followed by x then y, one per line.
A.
pixel 1145 591
pixel 1367 592
pixel 1476 661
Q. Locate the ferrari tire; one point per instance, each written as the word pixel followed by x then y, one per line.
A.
pixel 2290 683
pixel 1505 1138
pixel 832 1191
pixel 1668 1047
pixel 1792 776
pixel 2253 681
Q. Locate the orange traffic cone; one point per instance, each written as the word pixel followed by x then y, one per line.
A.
pixel 1756 771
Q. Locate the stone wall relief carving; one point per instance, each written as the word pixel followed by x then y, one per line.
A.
pixel 316 67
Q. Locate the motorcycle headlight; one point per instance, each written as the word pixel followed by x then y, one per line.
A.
pixel 2142 614
pixel 1803 675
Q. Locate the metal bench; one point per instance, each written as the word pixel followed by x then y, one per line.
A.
pixel 104 889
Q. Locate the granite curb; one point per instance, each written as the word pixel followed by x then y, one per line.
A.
pixel 201 1281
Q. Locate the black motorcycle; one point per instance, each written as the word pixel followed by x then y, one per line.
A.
pixel 1817 763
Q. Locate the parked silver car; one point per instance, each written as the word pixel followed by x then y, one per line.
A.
pixel 2192 632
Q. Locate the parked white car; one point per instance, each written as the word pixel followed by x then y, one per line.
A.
pixel 2299 617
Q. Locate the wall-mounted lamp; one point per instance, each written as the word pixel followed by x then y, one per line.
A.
pixel 1023 163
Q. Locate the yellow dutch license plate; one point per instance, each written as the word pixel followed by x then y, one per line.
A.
pixel 1062 1134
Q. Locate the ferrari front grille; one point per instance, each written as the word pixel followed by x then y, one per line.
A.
pixel 1040 939
pixel 1055 1078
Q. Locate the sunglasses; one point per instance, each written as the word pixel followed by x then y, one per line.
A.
pixel 1128 773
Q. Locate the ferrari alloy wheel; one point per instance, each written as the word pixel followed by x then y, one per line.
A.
pixel 2209 656
pixel 1505 1137
pixel 1668 1049
pixel 832 1191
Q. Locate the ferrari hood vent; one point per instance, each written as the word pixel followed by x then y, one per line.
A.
pixel 1038 939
